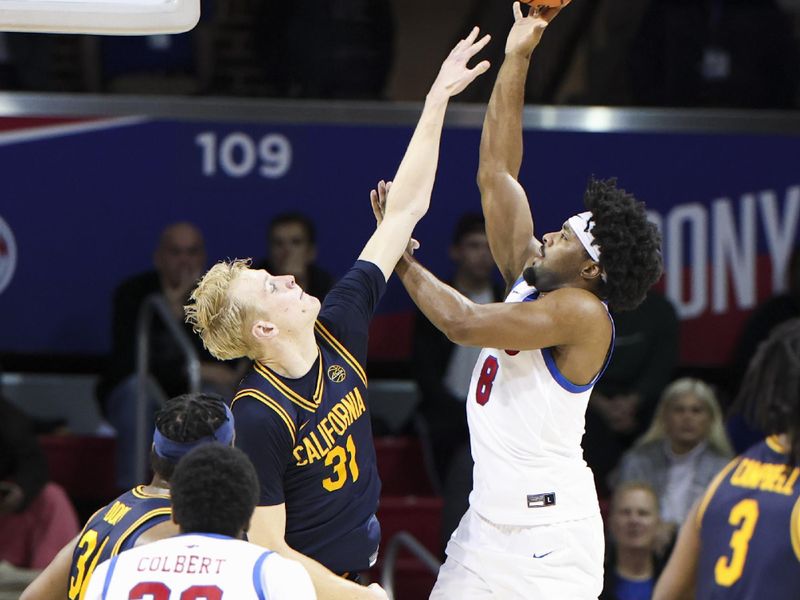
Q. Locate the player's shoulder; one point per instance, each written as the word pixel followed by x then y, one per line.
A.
pixel 577 305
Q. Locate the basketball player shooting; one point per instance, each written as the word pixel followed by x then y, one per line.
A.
pixel 533 529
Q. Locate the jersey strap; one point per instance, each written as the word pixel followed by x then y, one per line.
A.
pixel 305 403
pixel 257 579
pixel 111 566
pixel 341 350
pixel 267 401
pixel 151 514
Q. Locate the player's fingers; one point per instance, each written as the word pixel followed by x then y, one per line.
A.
pixel 479 45
pixel 480 69
pixel 517 11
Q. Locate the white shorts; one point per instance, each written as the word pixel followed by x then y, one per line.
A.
pixel 559 562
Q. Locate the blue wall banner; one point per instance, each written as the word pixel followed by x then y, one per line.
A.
pixel 84 199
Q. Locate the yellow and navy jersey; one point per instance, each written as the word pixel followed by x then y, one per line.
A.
pixel 310 439
pixel 111 530
pixel 750 528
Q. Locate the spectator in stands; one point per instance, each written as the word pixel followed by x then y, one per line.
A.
pixel 624 400
pixel 36 517
pixel 179 260
pixel 292 246
pixel 632 566
pixel 140 515
pixel 678 456
pixel 443 371
pixel 715 53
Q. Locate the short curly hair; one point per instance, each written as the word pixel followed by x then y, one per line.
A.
pixel 630 244
pixel 186 418
pixel 214 490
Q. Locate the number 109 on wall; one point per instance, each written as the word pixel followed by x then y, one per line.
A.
pixel 238 154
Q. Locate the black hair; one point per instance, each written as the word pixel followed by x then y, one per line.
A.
pixel 294 217
pixel 214 490
pixel 468 224
pixel 769 397
pixel 630 244
pixel 187 418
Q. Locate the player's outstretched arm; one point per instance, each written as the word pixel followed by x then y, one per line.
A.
pixel 413 183
pixel 53 582
pixel 268 529
pixel 677 579
pixel 564 317
pixel 509 224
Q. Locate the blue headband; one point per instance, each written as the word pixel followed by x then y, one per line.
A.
pixel 174 451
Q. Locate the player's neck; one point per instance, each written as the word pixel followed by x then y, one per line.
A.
pixel 633 563
pixel 158 485
pixel 292 357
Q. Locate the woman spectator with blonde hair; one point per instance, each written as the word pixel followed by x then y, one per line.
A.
pixel 685 446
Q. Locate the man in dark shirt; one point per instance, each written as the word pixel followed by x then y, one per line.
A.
pixel 301 411
pixel 179 260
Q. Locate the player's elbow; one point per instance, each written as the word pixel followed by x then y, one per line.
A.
pixel 461 328
pixel 490 176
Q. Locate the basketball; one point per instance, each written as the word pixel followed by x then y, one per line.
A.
pixel 547 3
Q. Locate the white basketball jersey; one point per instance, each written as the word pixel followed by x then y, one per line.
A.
pixel 526 422
pixel 200 567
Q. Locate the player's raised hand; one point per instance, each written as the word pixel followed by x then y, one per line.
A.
pixel 377 198
pixel 454 75
pixel 527 31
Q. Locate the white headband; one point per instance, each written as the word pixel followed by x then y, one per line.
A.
pixel 582 224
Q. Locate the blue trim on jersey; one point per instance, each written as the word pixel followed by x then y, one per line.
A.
pixel 550 361
pixel 112 565
pixel 257 583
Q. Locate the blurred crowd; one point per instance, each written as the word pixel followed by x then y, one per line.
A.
pixel 674 53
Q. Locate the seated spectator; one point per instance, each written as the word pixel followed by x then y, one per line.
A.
pixel 632 566
pixel 715 53
pixel 36 517
pixel 624 400
pixel 292 246
pixel 678 456
pixel 443 371
pixel 179 260
pixel 214 493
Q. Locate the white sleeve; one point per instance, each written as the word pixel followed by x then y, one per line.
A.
pixel 285 579
pixel 98 579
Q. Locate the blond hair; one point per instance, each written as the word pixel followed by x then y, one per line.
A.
pixel 635 485
pixel 215 316
pixel 717 438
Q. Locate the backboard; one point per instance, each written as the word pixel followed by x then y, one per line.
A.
pixel 111 17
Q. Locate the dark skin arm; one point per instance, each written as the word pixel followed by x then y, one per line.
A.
pixel 509 223
pixel 571 320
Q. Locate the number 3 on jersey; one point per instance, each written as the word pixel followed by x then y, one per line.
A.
pixel 744 517
pixel 488 372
